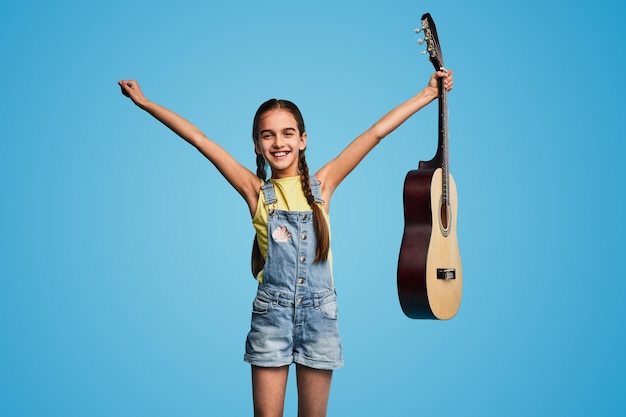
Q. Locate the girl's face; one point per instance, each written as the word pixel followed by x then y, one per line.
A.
pixel 280 142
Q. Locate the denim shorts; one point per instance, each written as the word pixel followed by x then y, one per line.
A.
pixel 286 330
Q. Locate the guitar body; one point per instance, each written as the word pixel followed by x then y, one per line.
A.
pixel 430 278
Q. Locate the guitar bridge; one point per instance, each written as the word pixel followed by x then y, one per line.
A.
pixel 446 273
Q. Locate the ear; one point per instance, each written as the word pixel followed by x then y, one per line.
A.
pixel 257 149
pixel 302 141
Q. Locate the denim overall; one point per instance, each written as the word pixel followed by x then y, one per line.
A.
pixel 294 314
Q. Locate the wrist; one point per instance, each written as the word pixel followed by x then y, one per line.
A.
pixel 431 93
pixel 142 102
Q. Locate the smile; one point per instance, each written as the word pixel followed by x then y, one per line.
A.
pixel 281 154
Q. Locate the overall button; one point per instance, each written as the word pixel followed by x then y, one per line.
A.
pixel 302 259
pixel 300 281
pixel 303 237
pixel 300 300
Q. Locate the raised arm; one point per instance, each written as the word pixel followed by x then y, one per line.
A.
pixel 335 171
pixel 241 178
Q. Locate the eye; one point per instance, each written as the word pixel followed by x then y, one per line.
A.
pixel 290 132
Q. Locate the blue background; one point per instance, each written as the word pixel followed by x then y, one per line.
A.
pixel 125 287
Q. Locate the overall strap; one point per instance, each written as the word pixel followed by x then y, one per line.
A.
pixel 316 190
pixel 268 192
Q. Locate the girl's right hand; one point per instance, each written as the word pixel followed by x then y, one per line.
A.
pixel 130 88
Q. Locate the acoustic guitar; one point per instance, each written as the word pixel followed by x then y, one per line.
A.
pixel 430 279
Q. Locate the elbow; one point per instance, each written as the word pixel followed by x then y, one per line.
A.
pixel 196 139
pixel 378 133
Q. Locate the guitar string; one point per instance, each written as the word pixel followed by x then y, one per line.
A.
pixel 433 36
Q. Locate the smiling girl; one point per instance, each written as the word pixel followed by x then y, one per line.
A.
pixel 294 315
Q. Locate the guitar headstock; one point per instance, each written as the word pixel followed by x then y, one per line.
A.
pixel 433 48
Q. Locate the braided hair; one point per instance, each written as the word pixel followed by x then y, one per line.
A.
pixel 319 224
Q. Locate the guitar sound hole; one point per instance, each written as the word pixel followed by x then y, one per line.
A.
pixel 444 217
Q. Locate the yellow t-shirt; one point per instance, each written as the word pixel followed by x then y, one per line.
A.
pixel 289 197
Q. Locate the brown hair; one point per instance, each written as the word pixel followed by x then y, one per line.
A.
pixel 319 223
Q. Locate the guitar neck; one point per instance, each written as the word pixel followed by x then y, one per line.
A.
pixel 440 160
pixel 443 139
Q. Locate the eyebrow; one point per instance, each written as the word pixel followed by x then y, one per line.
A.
pixel 283 130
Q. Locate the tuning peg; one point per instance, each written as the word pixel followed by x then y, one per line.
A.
pixel 420 41
pixel 418 30
pixel 424 52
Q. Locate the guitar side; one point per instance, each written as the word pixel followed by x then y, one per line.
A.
pixel 430 277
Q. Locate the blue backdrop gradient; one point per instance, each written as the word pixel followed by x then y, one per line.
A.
pixel 124 256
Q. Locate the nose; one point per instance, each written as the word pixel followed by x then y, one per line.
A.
pixel 278 141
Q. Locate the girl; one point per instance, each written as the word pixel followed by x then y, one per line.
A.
pixel 294 318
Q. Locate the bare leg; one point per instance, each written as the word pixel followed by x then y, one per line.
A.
pixel 268 390
pixel 313 391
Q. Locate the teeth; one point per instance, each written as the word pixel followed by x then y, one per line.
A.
pixel 280 154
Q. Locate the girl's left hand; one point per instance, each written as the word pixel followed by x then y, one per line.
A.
pixel 447 76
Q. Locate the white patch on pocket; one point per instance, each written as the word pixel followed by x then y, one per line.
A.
pixel 281 234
